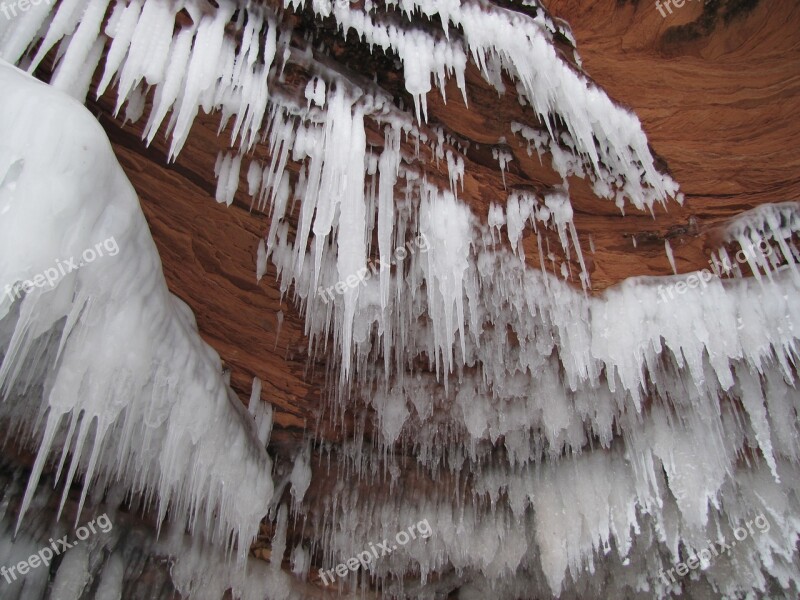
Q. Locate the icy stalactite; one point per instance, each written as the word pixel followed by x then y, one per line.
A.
pixel 554 211
pixel 567 525
pixel 771 224
pixel 218 62
pixel 392 413
pixel 602 137
pixel 198 571
pixel 670 256
pixel 447 226
pixel 196 66
pixel 82 55
pixel 559 384
pixel 567 529
pixel 262 413
pixel 503 158
pixel 577 325
pixel 347 189
pixel 300 561
pixel 204 65
pixel 300 477
pixel 455 168
pixel 279 539
pixel 389 165
pixel 152 412
pixel 634 383
pixel 227 171
pixel 121 557
pixel 58 570
pixel 579 378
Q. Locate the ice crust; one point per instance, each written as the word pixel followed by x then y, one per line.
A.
pixel 106 368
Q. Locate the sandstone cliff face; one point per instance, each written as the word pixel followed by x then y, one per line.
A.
pixel 717 103
pixel 715 86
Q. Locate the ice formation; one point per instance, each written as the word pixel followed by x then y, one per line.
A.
pixel 558 443
pixel 128 390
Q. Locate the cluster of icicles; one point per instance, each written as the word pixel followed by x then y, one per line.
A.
pixel 579 445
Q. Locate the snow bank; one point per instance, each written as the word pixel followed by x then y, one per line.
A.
pixel 106 367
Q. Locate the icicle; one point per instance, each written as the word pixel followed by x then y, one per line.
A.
pixel 254 173
pixel 228 178
pixel 166 93
pixel 148 50
pixel 262 413
pixel 279 539
pixel 300 477
pixel 455 168
pixel 503 158
pixel 261 260
pixel 670 257
pixel 447 226
pixel 389 165
pixel 67 16
pixel 72 576
pixel 121 32
pixel 82 45
pixel 201 72
pixel 638 381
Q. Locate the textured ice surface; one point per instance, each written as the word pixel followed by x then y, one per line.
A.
pixel 107 361
pixel 578 444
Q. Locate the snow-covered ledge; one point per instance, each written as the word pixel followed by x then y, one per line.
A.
pixel 100 363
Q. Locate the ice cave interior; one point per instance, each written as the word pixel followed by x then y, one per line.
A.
pixel 399 299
